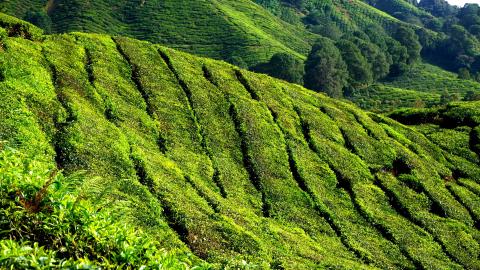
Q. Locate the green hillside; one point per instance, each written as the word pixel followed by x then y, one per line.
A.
pixel 220 29
pixel 432 79
pixel 248 33
pixel 423 85
pixel 242 170
pixel 240 32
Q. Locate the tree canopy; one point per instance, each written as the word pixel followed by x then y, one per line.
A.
pixel 325 70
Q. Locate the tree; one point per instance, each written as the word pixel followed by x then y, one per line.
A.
pixel 460 42
pixel 475 30
pixel 399 56
pixel 378 61
pixel 284 66
pixel 468 15
pixel 358 68
pixel 407 37
pixel 327 29
pixel 377 35
pixel 472 96
pixel 464 74
pixel 325 69
pixel 438 8
pixel 433 23
pixel 320 22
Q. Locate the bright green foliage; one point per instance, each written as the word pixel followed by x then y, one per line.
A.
pixel 421 86
pixel 381 98
pixel 40 206
pixel 19 28
pixel 431 79
pixel 242 170
pixel 248 35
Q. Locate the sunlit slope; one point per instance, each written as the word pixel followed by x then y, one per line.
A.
pixel 432 79
pixel 421 86
pixel 242 166
pixel 221 29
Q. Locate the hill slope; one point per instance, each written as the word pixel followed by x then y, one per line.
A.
pixel 247 34
pixel 422 85
pixel 243 166
pixel 221 29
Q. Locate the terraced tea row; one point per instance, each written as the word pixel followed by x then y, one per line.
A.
pixel 244 166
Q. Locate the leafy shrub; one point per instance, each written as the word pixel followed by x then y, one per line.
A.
pixel 49 223
pixel 19 28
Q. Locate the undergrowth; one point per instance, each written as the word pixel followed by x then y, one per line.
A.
pixel 46 222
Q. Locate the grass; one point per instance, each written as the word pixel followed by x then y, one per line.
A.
pixel 239 169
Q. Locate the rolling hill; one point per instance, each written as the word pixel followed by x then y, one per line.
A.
pixel 423 85
pixel 238 168
pixel 246 34
pixel 221 29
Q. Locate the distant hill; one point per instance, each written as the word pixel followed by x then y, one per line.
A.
pixel 219 29
pixel 242 170
pixel 222 29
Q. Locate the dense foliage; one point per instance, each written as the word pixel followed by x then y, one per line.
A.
pixel 360 73
pixel 46 221
pixel 283 66
pixel 325 69
pixel 237 168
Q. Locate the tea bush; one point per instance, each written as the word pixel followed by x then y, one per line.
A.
pixel 46 222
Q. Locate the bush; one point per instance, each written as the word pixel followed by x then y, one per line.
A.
pixel 19 28
pixel 285 67
pixel 49 223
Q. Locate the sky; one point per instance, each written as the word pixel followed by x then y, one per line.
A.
pixel 460 3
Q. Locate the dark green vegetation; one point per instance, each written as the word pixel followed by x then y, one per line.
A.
pixel 229 165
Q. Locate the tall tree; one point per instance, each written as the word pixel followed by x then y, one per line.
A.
pixel 283 66
pixel 358 68
pixel 376 58
pixel 399 57
pixel 325 69
pixel 407 37
pixel 439 8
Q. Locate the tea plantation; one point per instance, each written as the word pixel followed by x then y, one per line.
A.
pixel 118 153
pixel 219 29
